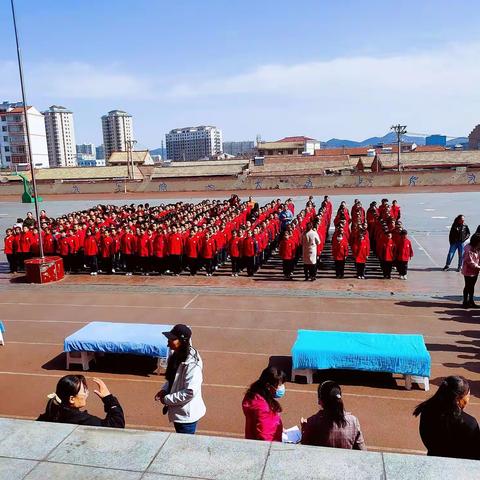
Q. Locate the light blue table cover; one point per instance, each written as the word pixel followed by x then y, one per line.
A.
pixel 108 337
pixel 375 352
pixel 2 328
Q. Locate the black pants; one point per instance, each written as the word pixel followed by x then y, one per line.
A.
pixel 235 264
pixel 193 265
pixel 208 262
pixel 288 266
pixel 129 262
pixel 360 269
pixel 469 289
pixel 250 265
pixel 402 268
pixel 175 264
pixel 339 268
pixel 11 262
pixel 144 264
pixel 310 271
pixel 91 261
pixel 159 265
pixel 387 269
pixel 66 263
pixel 107 264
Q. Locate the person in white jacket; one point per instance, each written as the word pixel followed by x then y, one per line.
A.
pixel 181 394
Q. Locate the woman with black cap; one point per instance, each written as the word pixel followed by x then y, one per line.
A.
pixel 181 394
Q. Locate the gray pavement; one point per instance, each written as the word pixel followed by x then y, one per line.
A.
pixel 38 451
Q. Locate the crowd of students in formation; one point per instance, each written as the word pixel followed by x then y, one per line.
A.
pixel 171 239
pixel 445 428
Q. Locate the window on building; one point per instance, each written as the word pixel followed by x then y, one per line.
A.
pixel 5 139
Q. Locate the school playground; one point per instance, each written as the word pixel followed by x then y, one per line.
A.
pixel 241 324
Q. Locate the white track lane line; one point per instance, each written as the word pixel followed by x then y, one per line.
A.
pixel 191 301
pixel 425 251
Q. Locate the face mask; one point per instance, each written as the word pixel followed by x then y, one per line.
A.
pixel 279 392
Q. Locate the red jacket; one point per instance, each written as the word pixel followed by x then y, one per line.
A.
pixel 159 246
pixel 191 247
pixel 49 243
pixel 404 251
pixel 144 246
pixel 90 246
pixel 287 249
pixel 175 244
pixel 260 422
pixel 388 251
pixel 107 247
pixel 340 249
pixel 249 247
pixel 25 242
pixel 128 244
pixel 235 247
pixel 9 241
pixel 361 250
pixel 208 248
pixel 64 246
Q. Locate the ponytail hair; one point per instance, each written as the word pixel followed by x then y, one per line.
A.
pixel 68 386
pixel 445 401
pixel 330 394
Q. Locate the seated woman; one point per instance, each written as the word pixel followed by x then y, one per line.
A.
pixel 261 409
pixel 446 430
pixel 332 426
pixel 70 398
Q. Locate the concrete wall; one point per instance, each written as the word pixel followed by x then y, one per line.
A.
pixel 39 451
pixel 245 182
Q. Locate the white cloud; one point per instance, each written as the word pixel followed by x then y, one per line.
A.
pixel 75 80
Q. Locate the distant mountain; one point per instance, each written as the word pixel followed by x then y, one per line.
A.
pixel 456 141
pixel 390 137
pixel 159 151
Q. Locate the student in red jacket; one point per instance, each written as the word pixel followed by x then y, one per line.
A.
pixel 90 249
pixel 49 242
pixel 360 252
pixel 404 253
pixel 107 250
pixel 128 247
pixel 207 253
pixel 191 251
pixel 287 254
pixel 24 242
pixel 249 250
pixel 159 252
pixel 235 246
pixel 387 256
pixel 339 253
pixel 175 251
pixel 64 247
pixel 144 250
pixel 9 250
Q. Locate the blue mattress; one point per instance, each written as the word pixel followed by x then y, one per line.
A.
pixel 374 352
pixel 2 328
pixel 134 338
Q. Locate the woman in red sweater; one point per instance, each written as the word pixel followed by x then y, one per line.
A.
pixel 9 250
pixel 287 254
pixel 360 252
pixel 235 247
pixel 90 247
pixel 207 252
pixel 404 252
pixel 339 253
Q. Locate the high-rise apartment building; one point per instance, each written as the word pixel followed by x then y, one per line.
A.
pixel 62 151
pixel 13 136
pixel 193 143
pixel 117 132
pixel 100 152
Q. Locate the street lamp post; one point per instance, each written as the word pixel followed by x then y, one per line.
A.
pixel 27 130
pixel 399 130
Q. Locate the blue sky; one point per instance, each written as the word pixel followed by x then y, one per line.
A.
pixel 345 69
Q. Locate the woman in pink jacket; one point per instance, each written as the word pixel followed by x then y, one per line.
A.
pixel 261 408
pixel 470 270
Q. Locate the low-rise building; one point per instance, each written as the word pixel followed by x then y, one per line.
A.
pixel 289 146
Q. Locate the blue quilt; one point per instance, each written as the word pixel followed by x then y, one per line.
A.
pixel 134 338
pixel 374 352
pixel 2 328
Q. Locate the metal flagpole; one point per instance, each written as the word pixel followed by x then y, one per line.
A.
pixel 27 130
